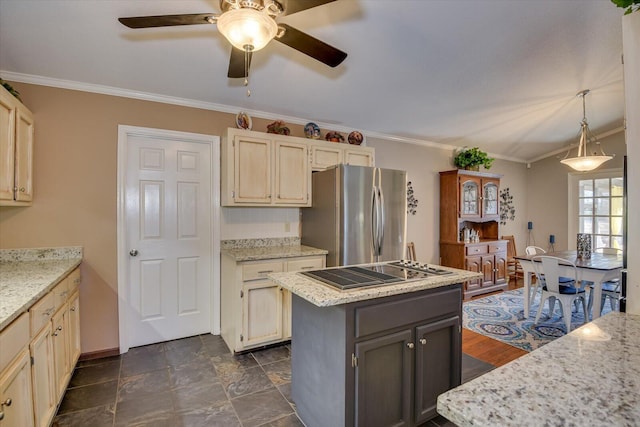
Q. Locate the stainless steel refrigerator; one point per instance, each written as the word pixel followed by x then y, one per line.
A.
pixel 358 214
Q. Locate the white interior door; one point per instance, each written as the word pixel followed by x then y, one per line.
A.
pixel 168 234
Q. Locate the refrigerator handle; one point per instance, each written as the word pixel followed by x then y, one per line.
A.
pixel 374 220
pixel 381 220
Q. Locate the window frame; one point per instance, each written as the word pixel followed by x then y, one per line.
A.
pixel 574 209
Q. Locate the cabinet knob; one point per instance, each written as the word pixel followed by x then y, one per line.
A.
pixel 423 341
pixel 22 189
pixel 72 309
pixel 410 345
pixel 7 402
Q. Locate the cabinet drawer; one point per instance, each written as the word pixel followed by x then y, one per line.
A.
pixel 260 270
pixel 386 316
pixel 41 312
pixel 476 250
pixel 61 293
pixel 74 280
pixel 304 264
pixel 497 247
pixel 13 338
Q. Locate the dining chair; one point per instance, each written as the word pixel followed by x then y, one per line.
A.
pixel 537 250
pixel 513 266
pixel 534 250
pixel 610 289
pixel 411 251
pixel 547 270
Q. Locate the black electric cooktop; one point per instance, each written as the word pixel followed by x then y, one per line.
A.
pixel 374 275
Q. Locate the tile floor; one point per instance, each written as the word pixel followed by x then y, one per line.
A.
pixel 193 381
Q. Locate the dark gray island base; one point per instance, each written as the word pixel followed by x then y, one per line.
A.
pixel 378 362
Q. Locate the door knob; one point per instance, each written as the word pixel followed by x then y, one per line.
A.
pixel 410 345
pixel 133 252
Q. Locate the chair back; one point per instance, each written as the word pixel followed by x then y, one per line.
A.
pixel 547 270
pixel 534 250
pixel 511 246
pixel 411 251
pixel 609 251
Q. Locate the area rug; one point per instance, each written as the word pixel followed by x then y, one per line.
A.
pixel 501 317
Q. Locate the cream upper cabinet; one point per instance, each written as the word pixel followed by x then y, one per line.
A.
pixel 262 169
pixel 16 149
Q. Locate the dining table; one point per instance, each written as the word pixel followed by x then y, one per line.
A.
pixel 599 268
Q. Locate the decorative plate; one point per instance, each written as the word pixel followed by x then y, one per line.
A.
pixel 243 120
pixel 312 130
pixel 355 138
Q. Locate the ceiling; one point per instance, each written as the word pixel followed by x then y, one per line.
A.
pixel 498 74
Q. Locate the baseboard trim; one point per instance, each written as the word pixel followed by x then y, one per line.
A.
pixel 99 354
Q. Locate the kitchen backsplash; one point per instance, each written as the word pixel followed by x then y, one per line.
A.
pixel 39 254
pixel 247 223
pixel 259 243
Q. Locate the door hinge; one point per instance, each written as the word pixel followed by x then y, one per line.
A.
pixel 354 360
pixel 459 328
pixel 241 294
pixel 241 337
pixel 233 194
pixel 32 361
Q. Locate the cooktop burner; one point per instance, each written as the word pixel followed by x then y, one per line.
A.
pixel 374 275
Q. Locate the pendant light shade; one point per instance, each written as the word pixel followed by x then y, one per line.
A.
pixel 247 29
pixel 584 162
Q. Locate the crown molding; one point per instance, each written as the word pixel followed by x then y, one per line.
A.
pixel 184 102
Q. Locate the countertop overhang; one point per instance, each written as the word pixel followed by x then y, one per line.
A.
pixel 271 252
pixel 589 377
pixel 323 295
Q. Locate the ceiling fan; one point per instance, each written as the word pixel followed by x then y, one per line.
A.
pixel 249 25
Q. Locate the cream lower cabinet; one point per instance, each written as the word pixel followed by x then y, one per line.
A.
pixel 255 311
pixel 43 346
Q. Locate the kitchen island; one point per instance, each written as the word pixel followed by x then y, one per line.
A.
pixel 374 356
pixel 588 377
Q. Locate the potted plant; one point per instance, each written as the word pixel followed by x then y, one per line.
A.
pixel 472 158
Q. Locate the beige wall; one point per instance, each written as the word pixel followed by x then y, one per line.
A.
pixel 548 192
pixel 75 190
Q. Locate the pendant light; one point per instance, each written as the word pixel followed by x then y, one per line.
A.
pixel 583 161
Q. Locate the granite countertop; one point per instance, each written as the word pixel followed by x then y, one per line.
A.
pixel 323 295
pixel 26 275
pixel 270 252
pixel 588 377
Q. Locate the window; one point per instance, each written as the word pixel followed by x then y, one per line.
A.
pixel 600 210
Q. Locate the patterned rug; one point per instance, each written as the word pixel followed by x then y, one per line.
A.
pixel 501 317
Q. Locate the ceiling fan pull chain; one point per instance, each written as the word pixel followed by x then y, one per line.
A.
pixel 247 50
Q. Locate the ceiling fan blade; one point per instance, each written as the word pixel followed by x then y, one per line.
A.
pixel 311 46
pixel 166 20
pixel 293 6
pixel 236 63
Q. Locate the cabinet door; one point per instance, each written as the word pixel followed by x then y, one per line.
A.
pixel 60 350
pixel 383 380
pixel 323 156
pixel 438 364
pixel 500 268
pixel 261 313
pixel 24 156
pixel 292 173
pixel 473 263
pixel 469 196
pixel 252 170
pixel 15 394
pixel 43 380
pixel 74 329
pixel 487 270
pixel 358 157
pixel 7 144
pixel 489 197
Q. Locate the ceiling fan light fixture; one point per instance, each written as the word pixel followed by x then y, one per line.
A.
pixel 584 162
pixel 247 28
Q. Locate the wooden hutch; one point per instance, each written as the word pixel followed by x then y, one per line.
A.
pixel 470 200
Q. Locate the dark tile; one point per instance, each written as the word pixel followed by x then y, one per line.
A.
pixel 271 355
pixel 279 372
pixel 285 390
pixel 195 372
pixel 136 386
pixel 152 410
pixel 226 363
pixel 239 383
pixel 88 396
pixel 138 362
pixel 90 362
pixel 215 345
pixel 221 415
pixel 259 408
pixel 93 374
pixel 291 420
pixel 473 368
pixel 193 343
pixel 100 416
pixel 199 395
pixel 186 355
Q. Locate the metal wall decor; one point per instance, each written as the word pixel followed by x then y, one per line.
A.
pixel 412 202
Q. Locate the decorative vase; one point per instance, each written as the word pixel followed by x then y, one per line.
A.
pixel 583 245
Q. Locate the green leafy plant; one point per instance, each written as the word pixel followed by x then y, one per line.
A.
pixel 629 5
pixel 472 157
pixel 11 90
